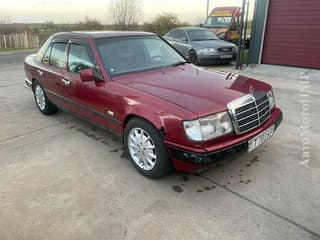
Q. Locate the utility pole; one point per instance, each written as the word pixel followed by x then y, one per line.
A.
pixel 207 8
pixel 245 31
pixel 240 42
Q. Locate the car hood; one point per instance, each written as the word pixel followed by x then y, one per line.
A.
pixel 200 91
pixel 212 44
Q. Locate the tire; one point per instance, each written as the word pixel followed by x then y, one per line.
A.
pixel 193 56
pixel 43 103
pixel 148 153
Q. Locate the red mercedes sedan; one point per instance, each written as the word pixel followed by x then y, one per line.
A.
pixel 168 112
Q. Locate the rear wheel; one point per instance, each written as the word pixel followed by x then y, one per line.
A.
pixel 42 102
pixel 146 148
pixel 193 57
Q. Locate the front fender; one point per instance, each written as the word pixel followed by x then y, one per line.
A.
pixel 169 125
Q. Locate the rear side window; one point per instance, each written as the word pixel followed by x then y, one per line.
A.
pixel 171 34
pixel 174 34
pixel 178 34
pixel 43 49
pixel 79 58
pixel 46 56
pixel 57 56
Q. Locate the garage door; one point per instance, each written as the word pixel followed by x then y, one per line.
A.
pixel 292 35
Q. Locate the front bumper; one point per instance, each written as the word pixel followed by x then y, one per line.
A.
pixel 206 59
pixel 195 158
pixel 28 83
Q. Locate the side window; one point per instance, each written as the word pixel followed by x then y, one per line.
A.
pixel 174 34
pixel 57 56
pixel 78 58
pixel 171 34
pixel 46 56
pixel 43 49
pixel 180 34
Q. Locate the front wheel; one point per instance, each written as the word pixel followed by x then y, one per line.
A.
pixel 193 56
pixel 42 102
pixel 146 148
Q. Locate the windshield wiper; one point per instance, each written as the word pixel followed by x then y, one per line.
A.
pixel 178 63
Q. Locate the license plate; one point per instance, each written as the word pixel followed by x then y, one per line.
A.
pixel 260 139
pixel 226 56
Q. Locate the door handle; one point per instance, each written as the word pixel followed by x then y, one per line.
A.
pixel 39 72
pixel 66 81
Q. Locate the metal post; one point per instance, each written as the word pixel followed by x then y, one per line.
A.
pixel 240 35
pixel 245 30
pixel 207 8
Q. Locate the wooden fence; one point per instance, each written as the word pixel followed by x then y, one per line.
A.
pixel 19 40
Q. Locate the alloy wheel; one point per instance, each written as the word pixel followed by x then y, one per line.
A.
pixel 142 149
pixel 40 98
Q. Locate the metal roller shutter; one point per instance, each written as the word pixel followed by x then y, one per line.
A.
pixel 292 35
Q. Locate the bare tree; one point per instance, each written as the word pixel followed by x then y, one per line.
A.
pixel 88 24
pixel 163 23
pixel 125 13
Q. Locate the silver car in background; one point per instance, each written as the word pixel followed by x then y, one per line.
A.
pixel 201 46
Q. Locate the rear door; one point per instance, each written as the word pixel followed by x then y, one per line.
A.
pixel 181 42
pixel 88 98
pixel 52 71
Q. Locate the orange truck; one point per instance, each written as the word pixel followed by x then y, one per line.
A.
pixel 225 23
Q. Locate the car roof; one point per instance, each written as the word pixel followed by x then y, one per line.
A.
pixel 102 34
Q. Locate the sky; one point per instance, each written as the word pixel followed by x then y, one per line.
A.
pixel 71 11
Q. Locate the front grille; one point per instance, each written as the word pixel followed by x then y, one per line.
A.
pixel 249 111
pixel 225 49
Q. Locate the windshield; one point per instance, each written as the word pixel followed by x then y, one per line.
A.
pixel 122 55
pixel 201 35
pixel 218 22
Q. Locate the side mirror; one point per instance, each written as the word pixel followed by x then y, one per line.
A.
pixel 91 74
pixel 184 39
pixel 86 75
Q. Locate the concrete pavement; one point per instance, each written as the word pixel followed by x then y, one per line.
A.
pixel 61 178
pixel 11 57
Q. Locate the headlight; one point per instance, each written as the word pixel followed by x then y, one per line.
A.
pixel 209 51
pixel 206 128
pixel 235 49
pixel 272 101
pixel 221 35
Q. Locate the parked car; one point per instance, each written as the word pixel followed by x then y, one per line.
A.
pixel 201 46
pixel 168 113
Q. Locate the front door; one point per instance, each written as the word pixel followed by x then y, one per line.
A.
pixel 88 98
